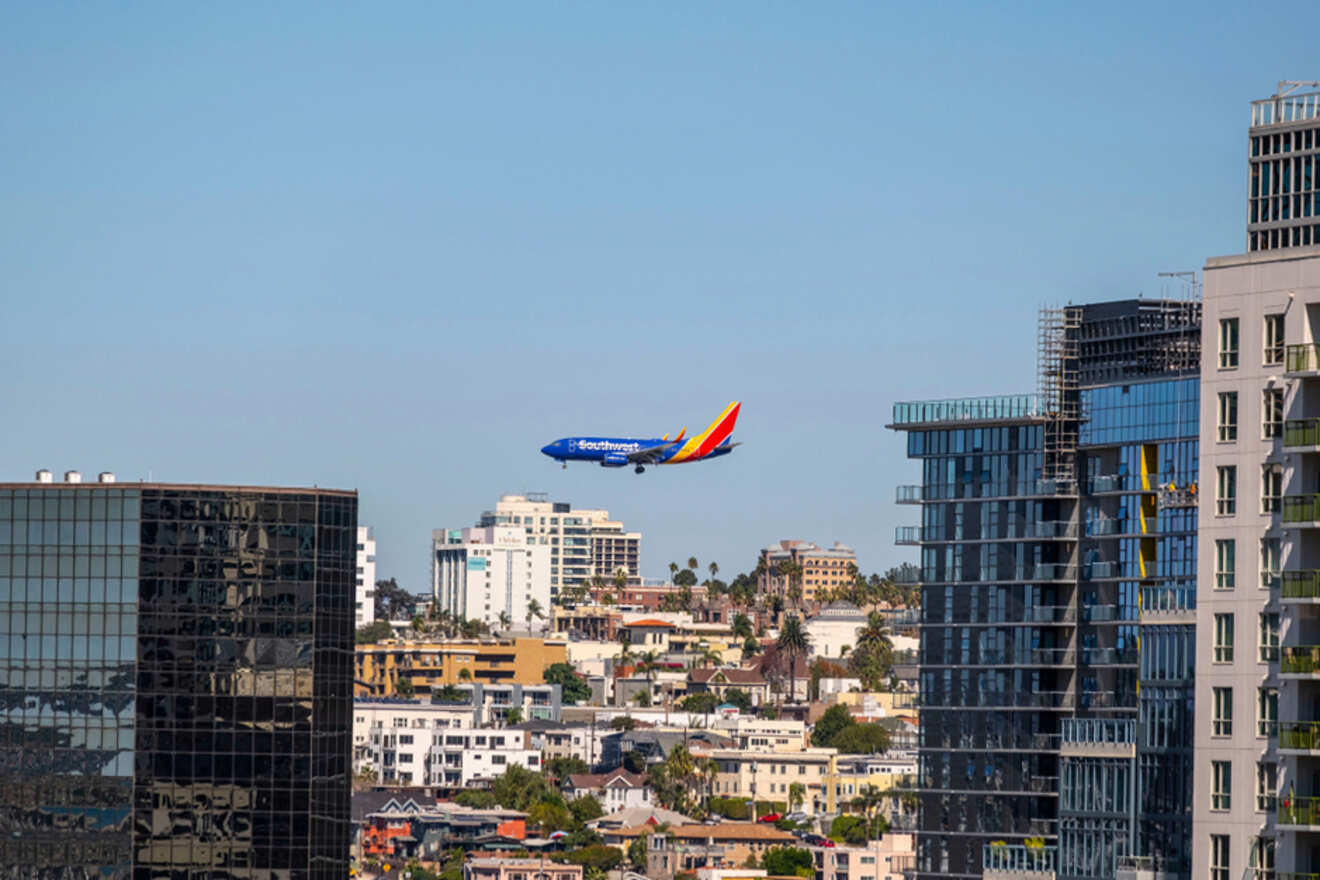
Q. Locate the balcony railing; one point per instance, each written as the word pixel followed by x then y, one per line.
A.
pixel 1299 810
pixel 968 409
pixel 1301 432
pixel 1019 858
pixel 1300 585
pixel 1304 358
pixel 1119 731
pixel 1280 109
pixel 1301 508
pixel 1300 735
pixel 1289 875
pixel 1300 659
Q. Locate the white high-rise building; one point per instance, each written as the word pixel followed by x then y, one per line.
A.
pixel 582 542
pixel 365 595
pixel 478 573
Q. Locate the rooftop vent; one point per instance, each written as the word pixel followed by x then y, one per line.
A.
pixel 105 477
pixel 44 476
pixel 72 477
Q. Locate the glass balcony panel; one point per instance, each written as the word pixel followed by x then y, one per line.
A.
pixel 1301 508
pixel 1301 433
pixel 1300 659
pixel 1300 585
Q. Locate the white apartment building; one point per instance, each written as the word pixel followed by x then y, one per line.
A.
pixel 482 573
pixel 453 757
pixel 582 542
pixel 402 715
pixel 1256 807
pixel 365 595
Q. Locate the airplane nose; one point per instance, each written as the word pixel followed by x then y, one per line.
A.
pixel 549 448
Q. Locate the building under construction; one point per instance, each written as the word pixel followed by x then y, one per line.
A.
pixel 1058 559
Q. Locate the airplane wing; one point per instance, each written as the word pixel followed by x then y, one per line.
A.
pixel 651 454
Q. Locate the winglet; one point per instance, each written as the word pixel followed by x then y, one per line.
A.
pixel 665 438
pixel 681 434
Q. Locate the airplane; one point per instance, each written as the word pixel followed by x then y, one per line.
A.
pixel 623 451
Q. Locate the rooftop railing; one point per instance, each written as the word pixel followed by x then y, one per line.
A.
pixel 968 409
pixel 1289 108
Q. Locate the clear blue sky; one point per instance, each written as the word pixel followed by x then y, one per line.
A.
pixel 398 247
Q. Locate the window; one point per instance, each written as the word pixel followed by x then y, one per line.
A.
pixel 1267 784
pixel 1271 488
pixel 1228 343
pixel 1269 562
pixel 1267 648
pixel 1222 720
pixel 1262 858
pixel 1227 416
pixel 1271 413
pixel 1221 785
pixel 1225 564
pixel 1267 712
pixel 1226 490
pixel 1273 339
pixel 1223 638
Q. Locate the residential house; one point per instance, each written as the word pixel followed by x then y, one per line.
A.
pixel 519 869
pixel 884 859
pixel 727 845
pixel 720 680
pixel 616 790
pixel 449 757
pixel 769 776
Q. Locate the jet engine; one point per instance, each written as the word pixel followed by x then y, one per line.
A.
pixel 614 459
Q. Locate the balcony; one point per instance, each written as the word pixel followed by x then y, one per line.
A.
pixel 1298 811
pixel 907 535
pixel 1301 433
pixel 1051 571
pixel 907 495
pixel 1300 586
pixel 1011 407
pixel 1299 736
pixel 1050 614
pixel 1302 360
pixel 1302 510
pixel 1302 660
pixel 1004 861
pixel 1099 737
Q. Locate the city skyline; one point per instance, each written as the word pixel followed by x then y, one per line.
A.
pixel 609 221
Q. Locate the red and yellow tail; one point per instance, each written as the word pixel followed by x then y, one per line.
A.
pixel 701 444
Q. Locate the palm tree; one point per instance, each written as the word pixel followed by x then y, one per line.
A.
pixel 465 674
pixel 714 570
pixel 673 570
pixel 793 643
pixel 533 610
pixel 505 620
pixel 797 793
pixel 741 626
pixel 750 648
pixel 621 583
pixel 692 563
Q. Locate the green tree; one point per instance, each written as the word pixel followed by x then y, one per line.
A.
pixel 784 861
pixel 861 739
pixel 517 788
pixel 793 643
pixel 573 687
pixel 475 798
pixel 751 647
pixel 848 829
pixel 797 794
pixel 585 809
pixel 404 687
pixel 741 626
pixel 393 602
pixel 534 609
pixel 505 620
pixel 685 578
pixel 835 719
pixel 621 583
pixel 550 817
pixel 623 722
pixel 374 632
pixel 562 768
pixel 740 698
pixel 637 852
pixel 872 659
pixel 634 761
pixel 513 715
pixel 700 702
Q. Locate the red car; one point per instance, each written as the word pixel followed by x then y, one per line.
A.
pixel 769 817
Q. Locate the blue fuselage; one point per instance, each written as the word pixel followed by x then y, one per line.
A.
pixel 616 449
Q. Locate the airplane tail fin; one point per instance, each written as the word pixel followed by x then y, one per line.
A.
pixel 701 444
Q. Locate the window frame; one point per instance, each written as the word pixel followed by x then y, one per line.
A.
pixel 1271 413
pixel 1221 708
pixel 1226 490
pixel 1271 487
pixel 1221 786
pixel 1226 420
pixel 1267 712
pixel 1273 336
pixel 1225 563
pixel 1270 562
pixel 1267 786
pixel 1267 636
pixel 1230 343
pixel 1225 624
pixel 1220 857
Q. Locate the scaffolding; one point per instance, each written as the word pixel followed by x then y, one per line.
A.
pixel 1058 385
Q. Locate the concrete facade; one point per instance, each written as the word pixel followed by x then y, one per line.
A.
pixel 491 574
pixel 1248 790
pixel 365 598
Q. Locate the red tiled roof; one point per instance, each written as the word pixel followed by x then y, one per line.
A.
pixel 652 622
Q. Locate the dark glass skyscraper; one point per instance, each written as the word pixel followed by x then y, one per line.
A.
pixel 175 681
pixel 1058 556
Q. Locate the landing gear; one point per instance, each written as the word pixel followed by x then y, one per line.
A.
pixel 639 469
pixel 563 465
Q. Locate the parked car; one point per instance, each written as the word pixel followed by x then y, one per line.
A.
pixel 770 817
pixel 817 840
pixel 796 817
